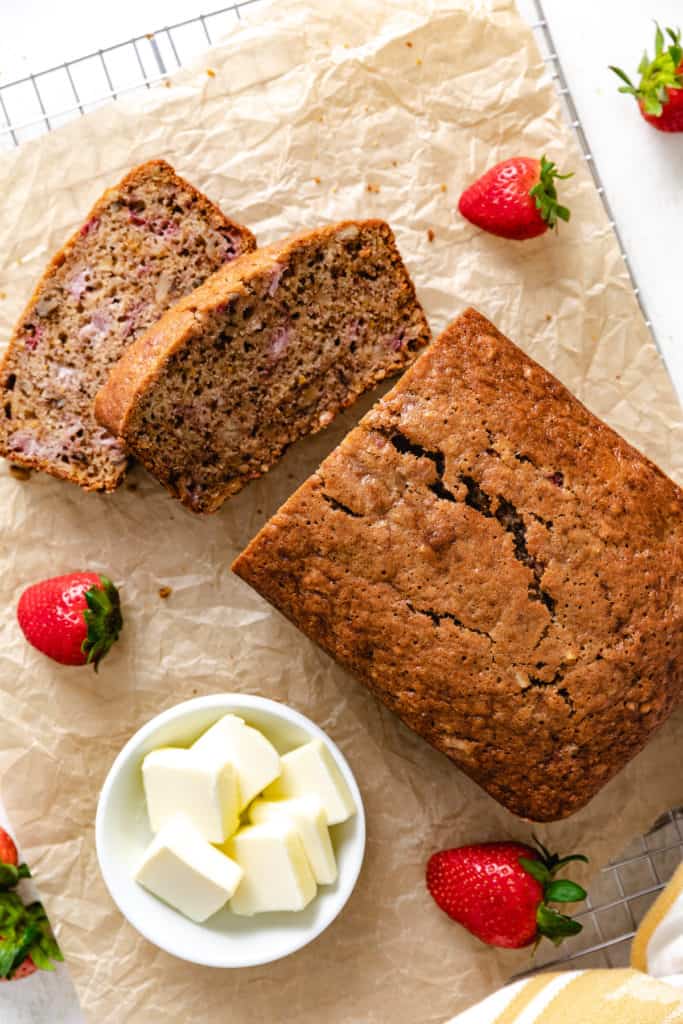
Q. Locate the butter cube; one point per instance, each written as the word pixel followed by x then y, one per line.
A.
pixel 185 871
pixel 276 872
pixel 311 769
pixel 205 790
pixel 256 761
pixel 309 819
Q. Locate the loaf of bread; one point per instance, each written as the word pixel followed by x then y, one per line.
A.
pixel 147 242
pixel 268 349
pixel 496 565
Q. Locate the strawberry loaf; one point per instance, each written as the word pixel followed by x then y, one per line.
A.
pixel 147 242
pixel 498 566
pixel 268 349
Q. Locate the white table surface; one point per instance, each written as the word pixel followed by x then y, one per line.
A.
pixel 640 169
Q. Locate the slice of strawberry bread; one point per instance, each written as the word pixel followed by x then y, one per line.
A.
pixel 147 242
pixel 269 349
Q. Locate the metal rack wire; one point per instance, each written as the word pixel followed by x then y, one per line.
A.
pixel 618 899
pixel 37 103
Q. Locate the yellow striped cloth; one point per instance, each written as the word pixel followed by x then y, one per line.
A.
pixel 649 992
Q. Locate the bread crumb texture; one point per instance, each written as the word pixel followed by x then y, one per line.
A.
pixel 147 242
pixel 270 349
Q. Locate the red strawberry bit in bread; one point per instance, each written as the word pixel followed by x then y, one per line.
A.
pixel 90 226
pixel 274 349
pixel 148 242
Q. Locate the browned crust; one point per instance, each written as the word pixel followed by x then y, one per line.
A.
pixel 144 361
pixel 143 170
pixel 542 751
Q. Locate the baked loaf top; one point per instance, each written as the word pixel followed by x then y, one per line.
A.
pixel 498 566
pixel 146 243
pixel 267 350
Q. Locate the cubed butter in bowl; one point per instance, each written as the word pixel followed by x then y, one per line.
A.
pixel 255 758
pixel 205 790
pixel 310 820
pixel 182 868
pixel 194 877
pixel 275 869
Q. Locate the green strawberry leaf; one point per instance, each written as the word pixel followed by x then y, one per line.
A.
pixel 25 931
pixel 550 922
pixel 41 959
pixel 657 75
pixel 9 876
pixel 8 952
pixel 11 910
pixel 563 891
pixel 652 104
pixel 103 619
pixel 536 869
pixel 544 194
pixel 49 946
pixel 24 871
pixel 630 87
pixel 22 947
pixel 555 926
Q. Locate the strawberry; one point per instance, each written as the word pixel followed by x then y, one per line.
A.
pixel 74 619
pixel 10 868
pixel 8 851
pixel 660 90
pixel 24 970
pixel 515 199
pixel 500 892
pixel 26 940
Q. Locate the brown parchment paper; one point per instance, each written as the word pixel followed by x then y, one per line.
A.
pixel 315 112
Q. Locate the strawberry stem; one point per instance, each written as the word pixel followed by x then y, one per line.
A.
pixel 550 922
pixel 545 194
pixel 103 619
pixel 658 75
pixel 25 931
pixel 10 874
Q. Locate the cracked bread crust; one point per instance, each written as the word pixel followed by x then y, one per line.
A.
pixel 269 349
pixel 498 566
pixel 148 241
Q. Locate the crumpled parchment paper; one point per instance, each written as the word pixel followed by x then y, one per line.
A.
pixel 315 112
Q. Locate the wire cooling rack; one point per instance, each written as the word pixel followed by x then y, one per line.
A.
pixel 30 106
pixel 618 899
pixel 37 103
pixel 622 892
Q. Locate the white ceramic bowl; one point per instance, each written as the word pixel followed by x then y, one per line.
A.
pixel 122 833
